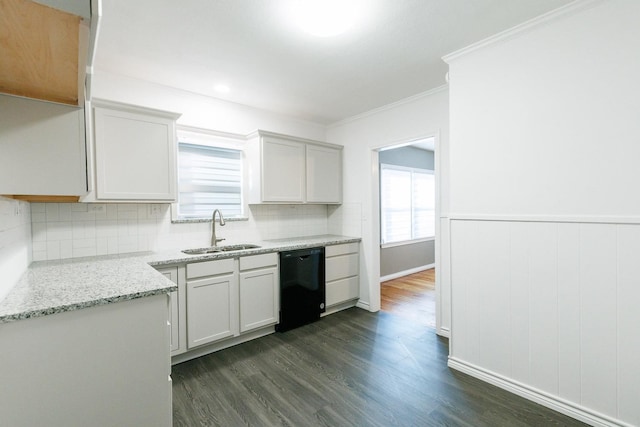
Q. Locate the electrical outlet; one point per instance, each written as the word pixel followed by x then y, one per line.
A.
pixel 97 207
pixel 155 210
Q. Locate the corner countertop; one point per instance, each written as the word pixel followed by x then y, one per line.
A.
pixel 49 287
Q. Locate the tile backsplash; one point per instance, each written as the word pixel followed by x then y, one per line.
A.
pixel 15 242
pixel 70 230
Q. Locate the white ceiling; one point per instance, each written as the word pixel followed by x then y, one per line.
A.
pixel 393 52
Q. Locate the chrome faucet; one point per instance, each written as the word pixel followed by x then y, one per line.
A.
pixel 214 240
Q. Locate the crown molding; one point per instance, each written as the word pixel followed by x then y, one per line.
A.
pixel 537 22
pixel 391 106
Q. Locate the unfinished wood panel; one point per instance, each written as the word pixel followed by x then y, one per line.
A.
pixel 39 49
pixel 45 199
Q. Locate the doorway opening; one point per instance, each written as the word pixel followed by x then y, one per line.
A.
pixel 408 215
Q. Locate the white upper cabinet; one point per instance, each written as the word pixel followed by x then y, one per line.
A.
pixel 324 174
pixel 282 170
pixel 134 153
pixel 286 169
pixel 42 148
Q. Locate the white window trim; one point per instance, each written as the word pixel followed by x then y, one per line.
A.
pixel 218 139
pixel 406 169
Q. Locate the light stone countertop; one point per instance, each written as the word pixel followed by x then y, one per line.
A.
pixel 49 287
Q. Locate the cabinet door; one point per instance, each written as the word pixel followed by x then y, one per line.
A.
pixel 283 175
pixel 212 309
pixel 324 174
pixel 42 148
pixel 174 310
pixel 258 298
pixel 134 156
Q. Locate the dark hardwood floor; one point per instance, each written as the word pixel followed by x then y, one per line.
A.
pixel 412 297
pixel 353 368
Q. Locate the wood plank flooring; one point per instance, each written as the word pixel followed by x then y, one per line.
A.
pixel 353 368
pixel 412 297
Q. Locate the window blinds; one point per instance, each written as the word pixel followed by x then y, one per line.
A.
pixel 209 178
pixel 407 204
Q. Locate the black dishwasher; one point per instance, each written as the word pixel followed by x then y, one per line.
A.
pixel 302 287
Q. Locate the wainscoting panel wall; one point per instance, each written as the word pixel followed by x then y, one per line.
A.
pixel 551 308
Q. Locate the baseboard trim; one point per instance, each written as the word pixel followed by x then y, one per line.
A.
pixel 339 307
pixel 545 399
pixel 216 346
pixel 406 272
pixel 364 305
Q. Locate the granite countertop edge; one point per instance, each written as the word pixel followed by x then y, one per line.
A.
pixel 50 287
pixel 85 304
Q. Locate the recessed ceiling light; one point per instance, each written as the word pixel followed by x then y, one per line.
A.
pixel 221 88
pixel 324 18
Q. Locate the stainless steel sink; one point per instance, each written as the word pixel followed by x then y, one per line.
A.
pixel 241 247
pixel 225 248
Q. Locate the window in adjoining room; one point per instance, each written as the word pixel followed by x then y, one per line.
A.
pixel 407 204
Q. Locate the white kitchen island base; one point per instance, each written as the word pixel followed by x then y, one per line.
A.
pixel 106 365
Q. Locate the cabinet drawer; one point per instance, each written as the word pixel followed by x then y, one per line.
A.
pixel 336 250
pixel 342 290
pixel 210 268
pixel 258 261
pixel 341 266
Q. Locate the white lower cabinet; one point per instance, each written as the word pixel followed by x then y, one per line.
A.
pixel 224 302
pixel 259 296
pixel 102 365
pixel 229 297
pixel 342 274
pixel 177 309
pixel 212 302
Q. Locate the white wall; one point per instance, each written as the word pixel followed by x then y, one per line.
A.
pixel 15 242
pixel 62 230
pixel 198 110
pixel 416 117
pixel 545 218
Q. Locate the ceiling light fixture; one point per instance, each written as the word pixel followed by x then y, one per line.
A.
pixel 324 18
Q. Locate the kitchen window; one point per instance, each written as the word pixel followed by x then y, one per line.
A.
pixel 209 177
pixel 407 204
